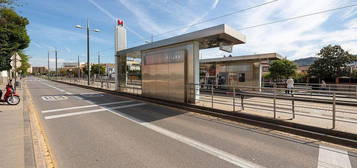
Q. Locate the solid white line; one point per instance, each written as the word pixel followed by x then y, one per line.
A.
pixel 333 158
pixel 87 106
pixel 198 145
pixel 91 111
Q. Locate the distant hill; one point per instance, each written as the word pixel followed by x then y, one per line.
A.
pixel 305 61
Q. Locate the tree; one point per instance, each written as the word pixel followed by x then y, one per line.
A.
pixel 281 69
pixel 13 35
pixel 332 63
pixel 8 3
pixel 96 68
pixel 354 73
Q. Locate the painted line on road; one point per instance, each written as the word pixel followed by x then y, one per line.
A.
pixel 198 145
pixel 91 111
pixel 61 90
pixel 86 106
pixel 333 158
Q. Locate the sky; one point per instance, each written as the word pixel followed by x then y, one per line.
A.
pixel 52 25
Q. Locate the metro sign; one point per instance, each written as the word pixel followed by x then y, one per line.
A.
pixel 120 22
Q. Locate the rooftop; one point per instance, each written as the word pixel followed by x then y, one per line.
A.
pixel 208 38
pixel 244 58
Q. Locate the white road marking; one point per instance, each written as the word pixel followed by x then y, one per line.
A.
pixel 54 98
pixel 198 145
pixel 333 158
pixel 86 106
pixel 91 111
pixel 59 89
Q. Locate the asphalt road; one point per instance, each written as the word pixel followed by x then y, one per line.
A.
pixel 88 129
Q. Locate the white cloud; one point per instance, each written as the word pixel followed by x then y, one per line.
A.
pixel 63 35
pixel 114 18
pixel 297 38
pixel 144 19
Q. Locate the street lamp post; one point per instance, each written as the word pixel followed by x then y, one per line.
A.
pixel 56 63
pixel 88 63
pixel 48 61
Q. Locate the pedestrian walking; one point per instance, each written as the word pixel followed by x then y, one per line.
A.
pixel 323 85
pixel 290 85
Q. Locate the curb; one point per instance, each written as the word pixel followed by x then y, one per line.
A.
pixel 43 154
pixel 28 142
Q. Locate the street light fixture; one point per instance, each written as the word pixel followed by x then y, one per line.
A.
pixel 88 30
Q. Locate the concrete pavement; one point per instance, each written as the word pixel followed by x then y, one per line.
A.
pixel 92 129
pixel 15 136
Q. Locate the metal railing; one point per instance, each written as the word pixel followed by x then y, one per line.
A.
pixel 323 108
pixel 317 86
pixel 104 84
pixel 297 105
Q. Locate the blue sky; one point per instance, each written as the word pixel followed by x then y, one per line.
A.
pixel 52 25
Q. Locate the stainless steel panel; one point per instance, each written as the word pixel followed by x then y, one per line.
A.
pixel 165 73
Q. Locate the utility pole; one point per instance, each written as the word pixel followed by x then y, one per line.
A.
pixel 48 64
pixel 88 64
pixel 79 69
pixel 99 62
pixel 99 67
pixel 56 63
pixel 87 29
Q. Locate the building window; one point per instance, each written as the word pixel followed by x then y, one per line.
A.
pixel 241 77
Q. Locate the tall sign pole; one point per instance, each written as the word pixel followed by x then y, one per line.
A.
pixel 15 60
pixel 120 44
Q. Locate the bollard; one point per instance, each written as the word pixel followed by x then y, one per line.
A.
pixel 234 99
pixel 334 111
pixel 293 105
pixel 274 101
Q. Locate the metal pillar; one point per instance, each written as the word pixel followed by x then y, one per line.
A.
pixel 48 64
pixel 56 63
pixel 334 111
pixel 234 99
pixel 88 65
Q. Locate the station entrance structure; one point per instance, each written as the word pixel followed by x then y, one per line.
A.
pixel 170 66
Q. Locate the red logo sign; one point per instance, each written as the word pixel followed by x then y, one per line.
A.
pixel 120 22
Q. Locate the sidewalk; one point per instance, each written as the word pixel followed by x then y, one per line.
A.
pixel 12 134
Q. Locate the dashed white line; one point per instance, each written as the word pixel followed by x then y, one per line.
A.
pixel 198 145
pixel 86 106
pixel 333 158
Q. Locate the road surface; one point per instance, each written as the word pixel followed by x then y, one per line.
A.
pixel 88 128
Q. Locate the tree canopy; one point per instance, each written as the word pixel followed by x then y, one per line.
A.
pixel 281 69
pixel 13 35
pixel 333 62
pixel 96 68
